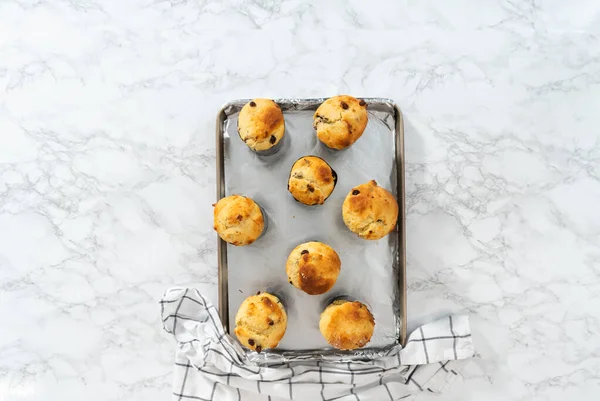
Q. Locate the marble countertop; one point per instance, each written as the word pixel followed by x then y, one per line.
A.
pixel 107 174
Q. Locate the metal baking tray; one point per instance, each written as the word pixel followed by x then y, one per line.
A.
pixel 373 272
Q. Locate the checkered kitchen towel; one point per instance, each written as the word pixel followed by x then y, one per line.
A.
pixel 211 366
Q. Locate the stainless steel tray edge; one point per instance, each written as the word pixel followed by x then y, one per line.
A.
pixel 402 218
pixel 222 245
pixel 223 296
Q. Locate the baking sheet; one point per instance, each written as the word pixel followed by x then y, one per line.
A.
pixel 372 271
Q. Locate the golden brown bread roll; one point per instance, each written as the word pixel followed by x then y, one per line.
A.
pixel 260 322
pixel 370 211
pixel 347 325
pixel 340 121
pixel 313 267
pixel 311 180
pixel 238 220
pixel 261 125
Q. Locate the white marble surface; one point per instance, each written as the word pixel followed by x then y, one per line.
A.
pixel 107 113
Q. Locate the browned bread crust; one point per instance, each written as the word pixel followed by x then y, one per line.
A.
pixel 311 180
pixel 370 211
pixel 340 121
pixel 347 325
pixel 238 220
pixel 313 267
pixel 260 124
pixel 260 322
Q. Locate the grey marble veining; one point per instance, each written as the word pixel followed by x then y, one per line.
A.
pixel 107 112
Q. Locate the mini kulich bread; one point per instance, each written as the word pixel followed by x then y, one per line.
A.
pixel 340 121
pixel 370 211
pixel 261 125
pixel 347 325
pixel 238 220
pixel 313 267
pixel 260 322
pixel 311 180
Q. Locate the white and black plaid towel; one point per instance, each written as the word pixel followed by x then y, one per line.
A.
pixel 211 366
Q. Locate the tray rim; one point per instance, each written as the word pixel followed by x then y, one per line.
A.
pixel 223 295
